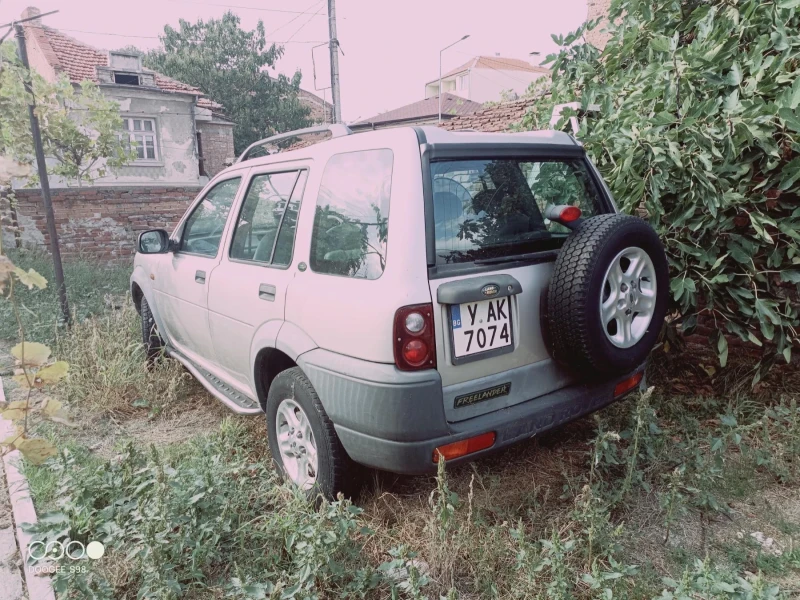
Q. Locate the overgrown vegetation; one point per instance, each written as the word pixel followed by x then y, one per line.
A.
pixel 698 124
pixel 109 370
pixel 655 497
pixel 632 504
pixel 92 289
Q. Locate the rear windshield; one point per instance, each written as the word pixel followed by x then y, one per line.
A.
pixel 492 208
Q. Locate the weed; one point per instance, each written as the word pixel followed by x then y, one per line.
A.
pixel 109 372
pixel 91 289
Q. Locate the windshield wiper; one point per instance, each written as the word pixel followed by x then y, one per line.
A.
pixel 542 254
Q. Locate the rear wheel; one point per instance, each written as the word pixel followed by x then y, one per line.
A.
pixel 302 440
pixel 153 344
pixel 608 295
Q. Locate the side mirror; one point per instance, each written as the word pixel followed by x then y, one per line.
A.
pixel 153 241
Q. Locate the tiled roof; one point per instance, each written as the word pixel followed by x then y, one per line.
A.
pixel 79 62
pixel 499 117
pixel 496 63
pixel 321 110
pixel 451 105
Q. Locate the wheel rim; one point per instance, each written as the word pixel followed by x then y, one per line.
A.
pixel 296 444
pixel 628 297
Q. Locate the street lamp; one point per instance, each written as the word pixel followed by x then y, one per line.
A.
pixel 440 73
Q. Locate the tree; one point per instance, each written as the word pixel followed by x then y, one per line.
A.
pixel 698 124
pixel 82 132
pixel 80 127
pixel 230 65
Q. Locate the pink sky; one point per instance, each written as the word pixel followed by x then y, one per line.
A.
pixel 390 49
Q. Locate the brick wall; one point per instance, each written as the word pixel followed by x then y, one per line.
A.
pixel 499 117
pixel 217 141
pixel 99 223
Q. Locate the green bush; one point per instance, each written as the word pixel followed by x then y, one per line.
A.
pixel 698 124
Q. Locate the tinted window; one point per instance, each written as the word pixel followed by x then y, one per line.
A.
pixel 285 245
pixel 203 229
pixel 493 208
pixel 351 223
pixel 261 216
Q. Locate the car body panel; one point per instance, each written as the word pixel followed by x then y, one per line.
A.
pixel 339 329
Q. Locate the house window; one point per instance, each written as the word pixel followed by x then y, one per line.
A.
pixel 462 82
pixel 126 79
pixel 142 137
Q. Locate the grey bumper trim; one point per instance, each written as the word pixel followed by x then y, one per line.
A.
pixel 513 424
pixel 377 399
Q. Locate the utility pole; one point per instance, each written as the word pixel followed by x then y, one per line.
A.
pixel 44 181
pixel 334 46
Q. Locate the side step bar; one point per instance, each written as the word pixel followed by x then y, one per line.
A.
pixel 234 400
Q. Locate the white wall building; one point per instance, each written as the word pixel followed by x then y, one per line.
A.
pixel 485 78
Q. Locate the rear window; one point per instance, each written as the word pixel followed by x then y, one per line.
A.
pixel 492 208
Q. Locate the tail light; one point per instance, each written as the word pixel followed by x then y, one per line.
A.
pixel 564 214
pixel 414 340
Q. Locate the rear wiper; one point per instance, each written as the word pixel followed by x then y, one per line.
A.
pixel 542 254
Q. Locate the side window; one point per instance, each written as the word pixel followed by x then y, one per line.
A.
pixel 351 222
pixel 285 246
pixel 262 214
pixel 202 232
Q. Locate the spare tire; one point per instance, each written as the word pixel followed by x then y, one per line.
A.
pixel 608 296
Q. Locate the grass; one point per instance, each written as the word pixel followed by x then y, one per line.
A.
pixel 91 288
pixel 657 494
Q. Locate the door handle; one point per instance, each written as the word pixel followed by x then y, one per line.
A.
pixel 200 276
pixel 266 292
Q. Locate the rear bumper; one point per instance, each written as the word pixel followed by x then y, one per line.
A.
pixel 390 420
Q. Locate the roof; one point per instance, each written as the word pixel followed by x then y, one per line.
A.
pixel 452 105
pixel 496 63
pixel 391 137
pixel 321 110
pixel 498 117
pixel 549 137
pixel 79 62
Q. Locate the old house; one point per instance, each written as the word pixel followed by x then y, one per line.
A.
pixel 180 137
pixel 487 78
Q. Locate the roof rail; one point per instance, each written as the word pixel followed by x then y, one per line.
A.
pixel 336 130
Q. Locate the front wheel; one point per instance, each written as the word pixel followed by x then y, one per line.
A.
pixel 153 344
pixel 302 440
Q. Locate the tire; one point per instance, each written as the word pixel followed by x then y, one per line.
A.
pixel 580 290
pixel 153 344
pixel 335 472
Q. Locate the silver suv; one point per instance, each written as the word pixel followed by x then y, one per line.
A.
pixel 396 297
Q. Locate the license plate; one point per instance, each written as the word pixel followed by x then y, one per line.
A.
pixel 481 326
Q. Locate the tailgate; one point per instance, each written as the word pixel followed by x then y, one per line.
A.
pixel 481 374
pixel 494 250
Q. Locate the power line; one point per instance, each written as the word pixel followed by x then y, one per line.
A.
pixel 304 24
pixel 156 37
pixel 275 10
pixel 290 21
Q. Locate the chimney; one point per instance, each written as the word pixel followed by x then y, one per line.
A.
pixel 32 11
